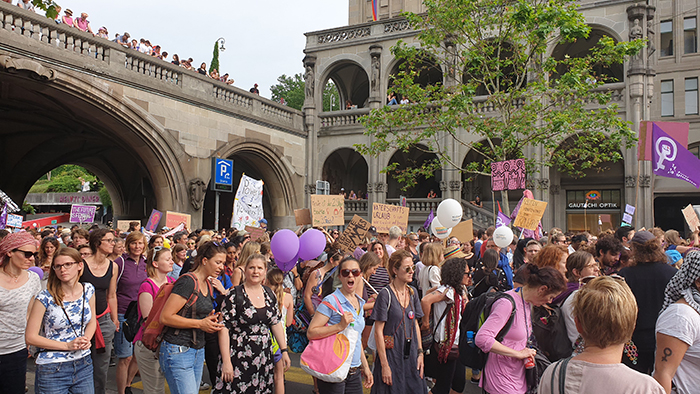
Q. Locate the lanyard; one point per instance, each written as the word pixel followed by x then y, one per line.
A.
pixel 82 316
pixel 527 326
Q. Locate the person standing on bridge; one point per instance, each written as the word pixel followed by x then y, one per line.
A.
pixel 83 24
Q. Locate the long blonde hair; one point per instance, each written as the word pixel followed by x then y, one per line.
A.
pixel 54 285
pixel 275 278
pixel 249 249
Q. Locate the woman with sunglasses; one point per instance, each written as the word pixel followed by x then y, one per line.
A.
pixel 329 321
pixel 399 367
pixel 65 312
pixel 18 289
pixel 647 277
pixel 99 272
pixel 447 303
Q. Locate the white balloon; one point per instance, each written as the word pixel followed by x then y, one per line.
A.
pixel 439 230
pixel 449 212
pixel 503 236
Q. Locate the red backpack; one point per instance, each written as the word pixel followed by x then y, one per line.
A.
pixel 154 329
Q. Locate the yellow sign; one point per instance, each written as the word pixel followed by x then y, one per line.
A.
pixel 327 210
pixel 530 214
pixel 385 216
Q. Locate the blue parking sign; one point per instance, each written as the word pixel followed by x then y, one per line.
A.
pixel 222 173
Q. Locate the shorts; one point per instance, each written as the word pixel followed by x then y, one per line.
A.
pixel 277 356
pixel 122 347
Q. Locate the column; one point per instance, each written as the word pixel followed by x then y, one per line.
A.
pixel 310 124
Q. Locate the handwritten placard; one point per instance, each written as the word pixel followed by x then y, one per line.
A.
pixel 464 231
pixel 508 175
pixel 172 219
pixel 691 217
pixel 327 210
pixel 385 216
pixel 530 214
pixel 14 220
pixel 302 216
pixel 123 225
pixel 255 232
pixel 82 213
pixel 354 233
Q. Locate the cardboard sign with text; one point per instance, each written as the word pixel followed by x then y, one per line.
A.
pixel 691 217
pixel 354 233
pixel 464 231
pixel 327 210
pixel 124 224
pixel 302 216
pixel 530 214
pixel 255 232
pixel 172 219
pixel 14 220
pixel 385 216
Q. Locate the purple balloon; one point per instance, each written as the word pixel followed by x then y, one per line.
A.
pixel 284 245
pixel 38 271
pixel 311 244
pixel 287 265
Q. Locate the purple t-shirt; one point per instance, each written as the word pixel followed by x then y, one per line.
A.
pixel 131 275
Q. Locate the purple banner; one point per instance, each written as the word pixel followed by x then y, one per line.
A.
pixel 426 225
pixel 670 159
pixel 153 220
pixel 508 175
pixel 82 213
pixel 502 220
pixel 3 217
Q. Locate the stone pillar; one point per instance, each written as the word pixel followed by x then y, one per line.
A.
pixel 376 182
pixel 310 124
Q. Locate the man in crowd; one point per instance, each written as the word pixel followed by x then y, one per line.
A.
pixel 607 254
pixel 123 40
pixel 624 234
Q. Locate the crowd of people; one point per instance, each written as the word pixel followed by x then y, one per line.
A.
pixel 143 45
pixel 628 302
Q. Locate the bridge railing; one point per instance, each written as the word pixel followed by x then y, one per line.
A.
pixel 27 33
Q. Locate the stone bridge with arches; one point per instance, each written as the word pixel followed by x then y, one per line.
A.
pixel 147 128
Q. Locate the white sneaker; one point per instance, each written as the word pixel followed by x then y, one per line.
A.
pixel 204 386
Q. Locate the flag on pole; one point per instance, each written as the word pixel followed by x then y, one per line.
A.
pixel 3 217
pixel 670 159
pixel 502 219
pixel 427 223
pixel 375 10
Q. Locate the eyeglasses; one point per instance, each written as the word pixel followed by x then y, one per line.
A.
pixel 111 240
pixel 410 268
pixel 346 272
pixel 27 254
pixel 57 268
pixel 469 274
pixel 190 243
pixel 583 281
pixel 413 239
pixel 85 254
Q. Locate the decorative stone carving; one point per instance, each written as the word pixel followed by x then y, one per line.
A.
pixel 630 181
pixel 34 69
pixel 543 183
pixel 530 183
pixel 554 189
pixel 443 186
pixel 344 35
pixel 375 72
pixel 310 189
pixel 197 190
pixel 636 30
pixel 392 27
pixel 455 185
pixel 645 181
pixel 380 187
pixel 370 187
pixel 309 81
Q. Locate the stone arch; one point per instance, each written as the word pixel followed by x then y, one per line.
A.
pixel 67 119
pixel 260 161
pixel 431 71
pixel 506 81
pixel 580 47
pixel 415 156
pixel 350 78
pixel 346 168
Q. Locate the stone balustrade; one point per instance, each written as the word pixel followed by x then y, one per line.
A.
pixel 482 218
pixel 27 34
pixel 417 205
pixel 348 117
pixel 363 32
pixel 356 207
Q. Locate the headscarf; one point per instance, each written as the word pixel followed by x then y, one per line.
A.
pixel 519 254
pixel 14 241
pixel 682 283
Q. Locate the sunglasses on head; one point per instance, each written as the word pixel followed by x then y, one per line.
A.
pixel 586 279
pixel 27 254
pixel 346 272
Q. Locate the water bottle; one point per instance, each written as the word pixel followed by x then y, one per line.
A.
pixel 470 338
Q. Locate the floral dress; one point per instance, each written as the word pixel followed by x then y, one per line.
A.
pixel 251 345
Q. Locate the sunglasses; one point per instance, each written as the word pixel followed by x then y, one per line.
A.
pixel 346 272
pixel 410 268
pixel 57 268
pixel 586 279
pixel 27 254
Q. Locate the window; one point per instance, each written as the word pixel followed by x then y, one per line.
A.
pixel 691 96
pixel 666 30
pixel 690 35
pixel 695 150
pixel 667 98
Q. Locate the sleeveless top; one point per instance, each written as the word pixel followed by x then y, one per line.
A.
pixel 101 286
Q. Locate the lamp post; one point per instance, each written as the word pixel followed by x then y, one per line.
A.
pixel 221 42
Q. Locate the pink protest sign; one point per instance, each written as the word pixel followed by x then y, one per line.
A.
pixel 508 175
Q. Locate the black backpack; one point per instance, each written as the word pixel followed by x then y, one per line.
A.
pixel 132 323
pixel 549 328
pixel 473 317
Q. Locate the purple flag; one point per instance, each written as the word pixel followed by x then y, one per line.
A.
pixel 431 216
pixel 502 220
pixel 3 217
pixel 672 160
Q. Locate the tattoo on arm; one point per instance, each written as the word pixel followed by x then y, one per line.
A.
pixel 667 352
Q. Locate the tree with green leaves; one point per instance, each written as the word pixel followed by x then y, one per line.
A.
pixel 215 59
pixel 291 89
pixel 504 91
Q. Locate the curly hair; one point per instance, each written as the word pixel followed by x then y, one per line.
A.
pixel 452 272
pixel 648 252
pixel 607 243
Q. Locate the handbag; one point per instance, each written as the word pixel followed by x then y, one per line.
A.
pixel 329 358
pixel 533 375
pixel 428 336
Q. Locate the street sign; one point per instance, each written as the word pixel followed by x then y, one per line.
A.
pixel 222 175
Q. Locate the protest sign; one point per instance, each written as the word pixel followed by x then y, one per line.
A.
pixel 82 213
pixel 530 214
pixel 464 231
pixel 629 209
pixel 248 206
pixel 123 225
pixel 172 219
pixel 14 220
pixel 676 130
pixel 354 233
pixel 302 216
pixel 670 159
pixel 508 175
pixel 255 232
pixel 153 220
pixel 327 210
pixel 385 216
pixel 691 217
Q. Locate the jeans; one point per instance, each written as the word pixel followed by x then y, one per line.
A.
pixel 74 377
pixel 100 360
pixel 122 347
pixel 149 368
pixel 13 369
pixel 351 385
pixel 182 367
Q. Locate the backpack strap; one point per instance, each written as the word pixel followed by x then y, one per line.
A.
pixel 561 364
pixel 121 267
